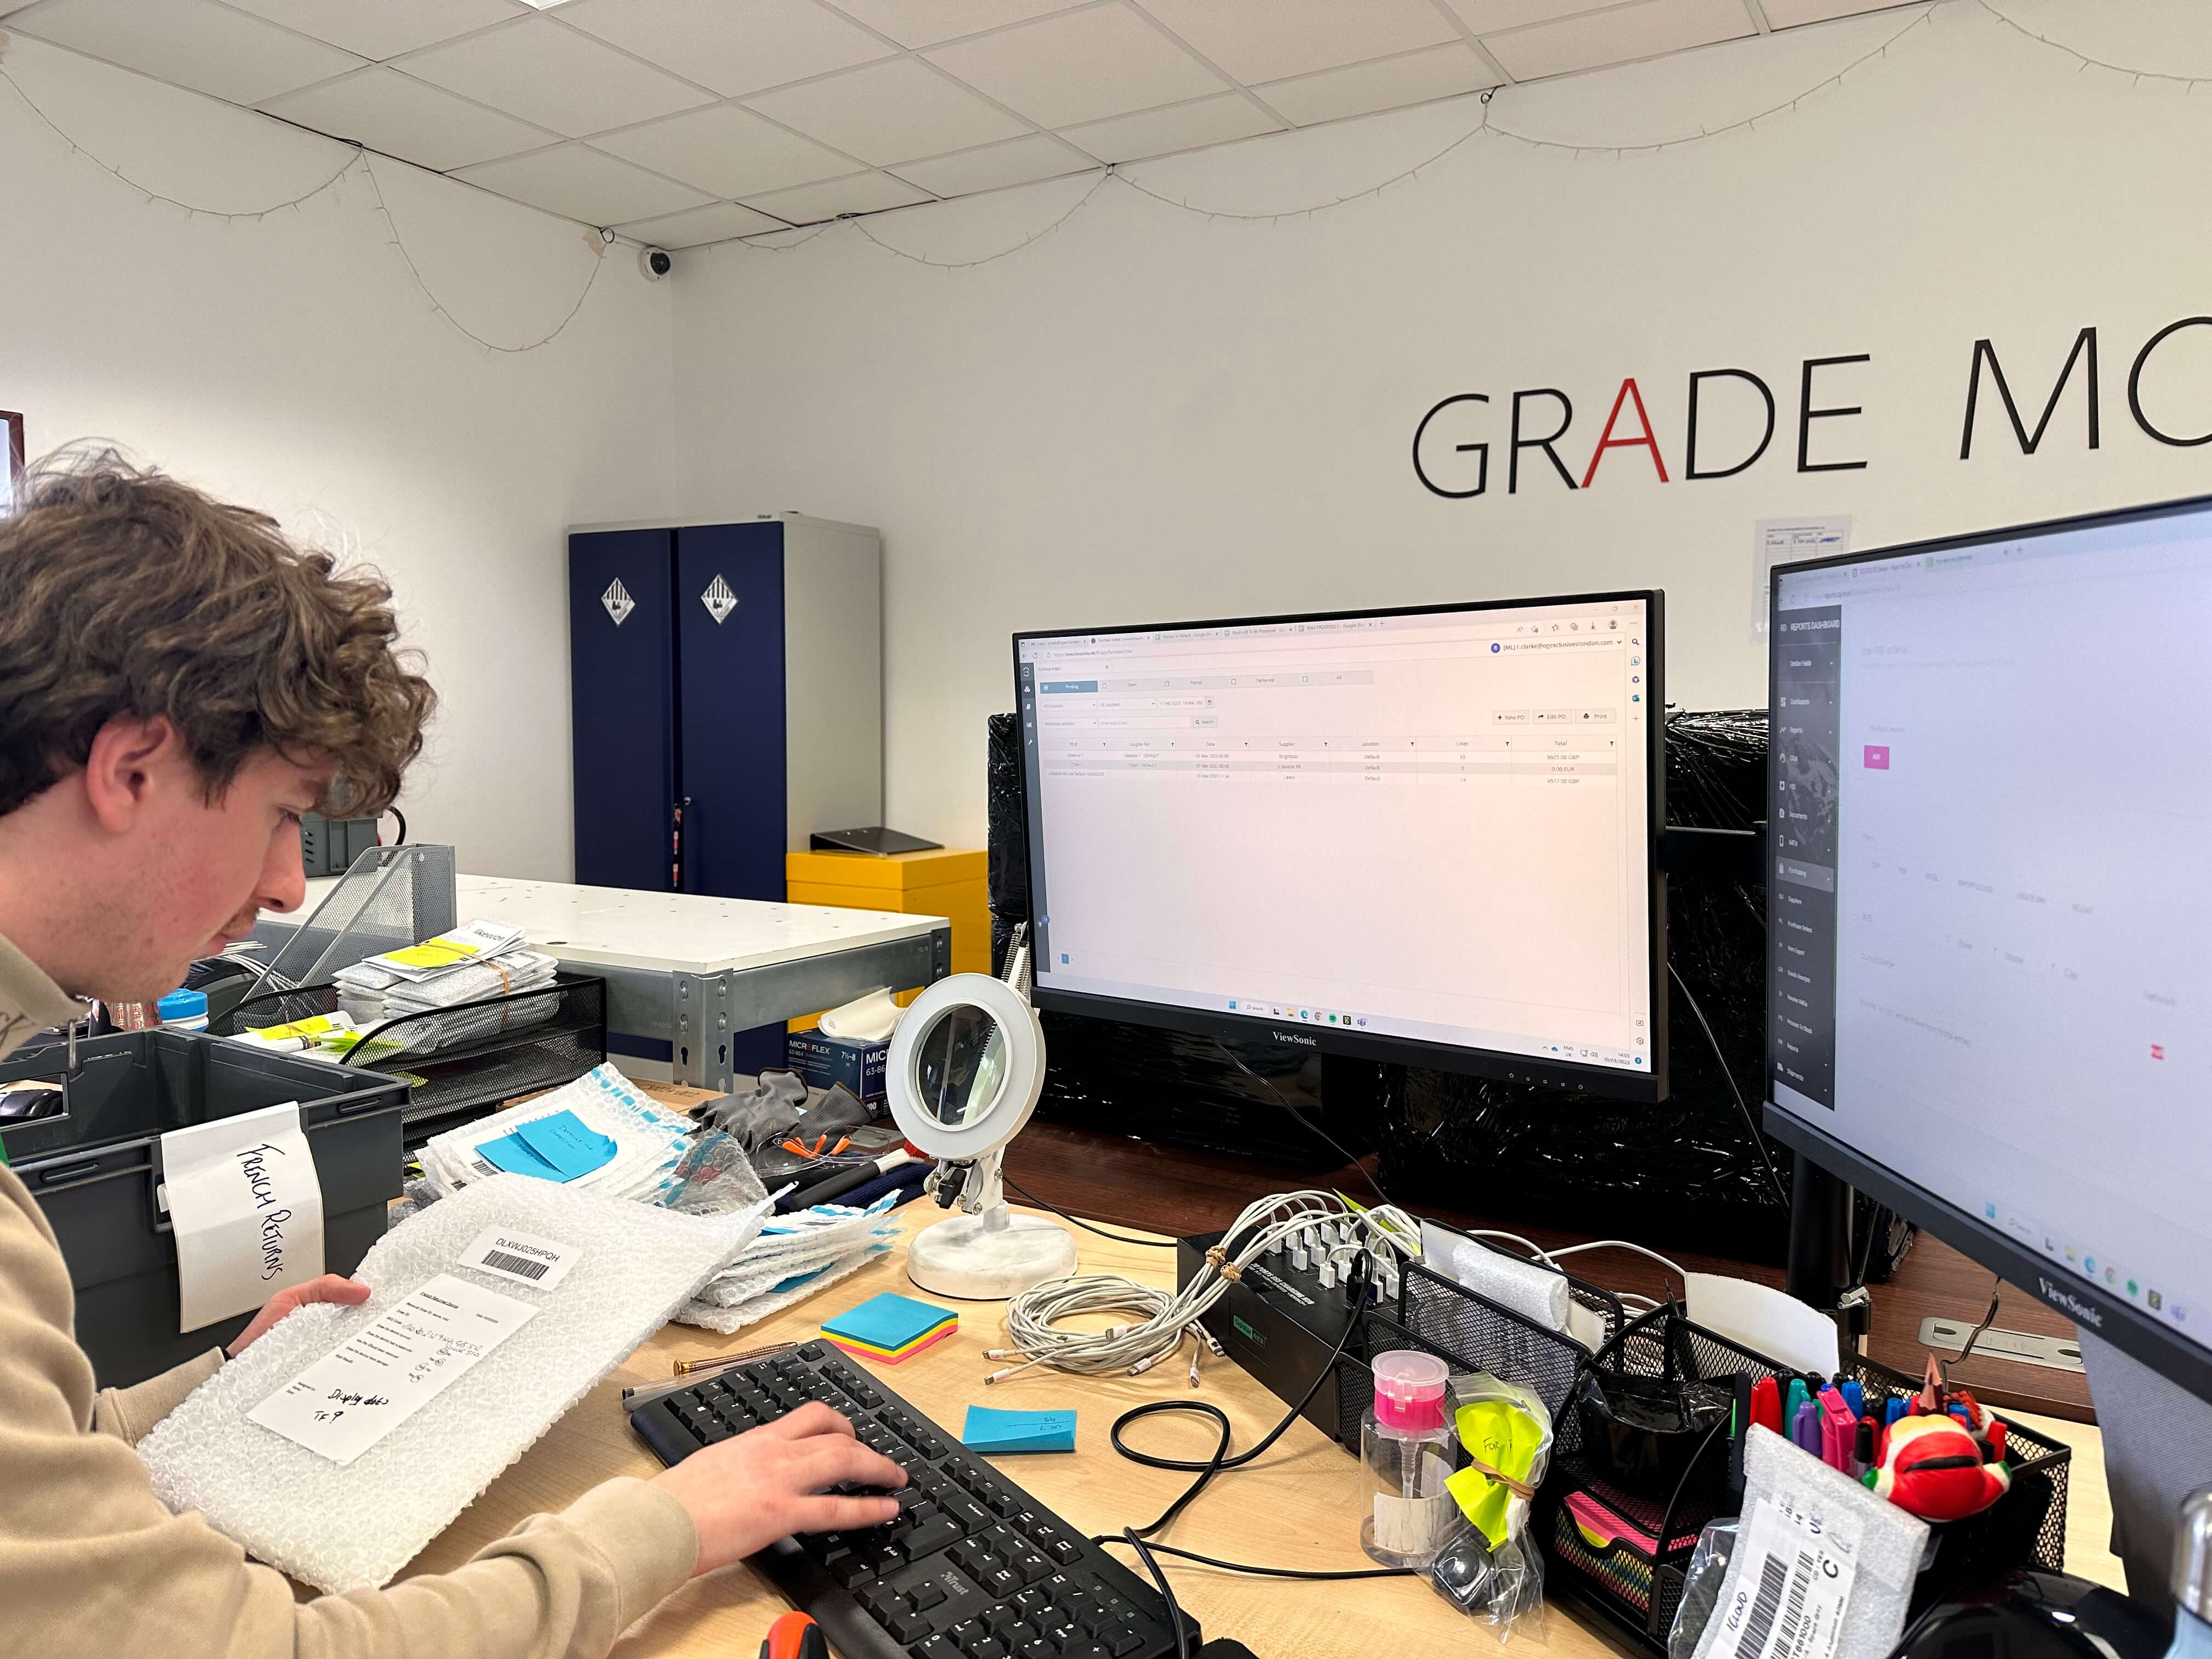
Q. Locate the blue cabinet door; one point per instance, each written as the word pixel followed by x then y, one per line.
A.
pixel 729 628
pixel 621 654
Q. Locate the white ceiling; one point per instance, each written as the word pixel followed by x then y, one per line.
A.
pixel 680 121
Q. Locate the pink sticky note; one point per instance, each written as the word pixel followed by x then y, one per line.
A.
pixel 1877 757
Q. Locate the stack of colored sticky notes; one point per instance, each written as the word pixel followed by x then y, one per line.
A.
pixel 891 1328
pixel 1001 1432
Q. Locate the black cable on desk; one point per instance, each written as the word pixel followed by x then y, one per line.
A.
pixel 1356 1292
pixel 1119 1238
pixel 1273 1572
pixel 1210 1467
pixel 1167 1593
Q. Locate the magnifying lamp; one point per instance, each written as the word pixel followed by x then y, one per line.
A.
pixel 965 1068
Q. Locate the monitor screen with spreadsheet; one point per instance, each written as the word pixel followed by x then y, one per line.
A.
pixel 1425 836
pixel 1990 997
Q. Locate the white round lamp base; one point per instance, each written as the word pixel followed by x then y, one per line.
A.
pixel 988 1257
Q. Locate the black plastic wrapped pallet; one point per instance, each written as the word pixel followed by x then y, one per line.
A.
pixel 1006 836
pixel 1590 1528
pixel 1686 1171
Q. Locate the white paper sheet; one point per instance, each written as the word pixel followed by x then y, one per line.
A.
pixel 247 1208
pixel 1767 1322
pixel 1786 541
pixel 347 1401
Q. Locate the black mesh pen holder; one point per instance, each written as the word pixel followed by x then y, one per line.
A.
pixel 1506 1344
pixel 464 1060
pixel 1469 1333
pixel 1621 1548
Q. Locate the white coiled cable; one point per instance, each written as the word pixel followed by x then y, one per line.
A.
pixel 1337 1232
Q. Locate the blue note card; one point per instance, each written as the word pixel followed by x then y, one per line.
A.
pixel 558 1147
pixel 1001 1432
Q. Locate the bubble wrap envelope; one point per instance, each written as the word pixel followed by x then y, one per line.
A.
pixel 351 1525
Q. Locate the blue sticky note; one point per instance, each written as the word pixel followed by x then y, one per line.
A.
pixel 556 1148
pixel 886 1322
pixel 987 1430
pixel 513 1154
pixel 563 1140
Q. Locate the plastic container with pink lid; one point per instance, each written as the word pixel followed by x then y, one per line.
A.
pixel 1410 1451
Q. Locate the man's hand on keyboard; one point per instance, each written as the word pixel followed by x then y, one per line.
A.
pixel 745 1492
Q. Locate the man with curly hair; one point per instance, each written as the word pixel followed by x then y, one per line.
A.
pixel 178 685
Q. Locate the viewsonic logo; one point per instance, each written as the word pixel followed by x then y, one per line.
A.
pixel 2060 1297
pixel 1293 1037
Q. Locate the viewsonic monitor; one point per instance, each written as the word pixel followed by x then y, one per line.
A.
pixel 1424 835
pixel 1990 995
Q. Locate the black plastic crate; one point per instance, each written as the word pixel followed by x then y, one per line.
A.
pixel 534 1040
pixel 1595 1535
pixel 94 1169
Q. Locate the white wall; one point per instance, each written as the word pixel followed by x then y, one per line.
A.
pixel 292 363
pixel 1148 415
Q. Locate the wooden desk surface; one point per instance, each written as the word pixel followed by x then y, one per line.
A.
pixel 1298 1506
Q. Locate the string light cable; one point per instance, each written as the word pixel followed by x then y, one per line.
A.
pixel 1327 1232
pixel 1088 1227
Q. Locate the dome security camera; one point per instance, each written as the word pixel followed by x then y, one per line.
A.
pixel 654 263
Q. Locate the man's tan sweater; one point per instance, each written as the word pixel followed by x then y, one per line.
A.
pixel 91 1563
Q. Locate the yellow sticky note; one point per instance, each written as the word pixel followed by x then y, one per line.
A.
pixel 1505 1437
pixel 432 953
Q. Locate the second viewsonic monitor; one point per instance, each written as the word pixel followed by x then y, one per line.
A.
pixel 1426 835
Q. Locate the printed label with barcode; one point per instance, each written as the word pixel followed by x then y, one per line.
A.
pixel 1789 1582
pixel 523 1257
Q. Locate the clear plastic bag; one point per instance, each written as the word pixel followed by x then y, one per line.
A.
pixel 1701 1588
pixel 1501 1588
pixel 1488 1569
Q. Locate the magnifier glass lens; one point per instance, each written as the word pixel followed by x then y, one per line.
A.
pixel 961 1060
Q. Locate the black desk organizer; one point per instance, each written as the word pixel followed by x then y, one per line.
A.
pixel 1593 1558
pixel 548 1036
pixel 1631 1591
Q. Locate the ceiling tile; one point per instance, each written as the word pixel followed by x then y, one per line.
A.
pixel 727 151
pixel 1482 16
pixel 1082 67
pixel 735 46
pixel 926 22
pixel 716 223
pixel 582 184
pixel 552 75
pixel 1260 40
pixel 411 119
pixel 1163 131
pixel 384 28
pixel 1619 36
pixel 1017 162
pixel 1415 77
pixel 192 43
pixel 889 113
pixel 1788 14
pixel 863 192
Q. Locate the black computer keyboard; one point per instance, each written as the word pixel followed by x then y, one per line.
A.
pixel 973 1568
